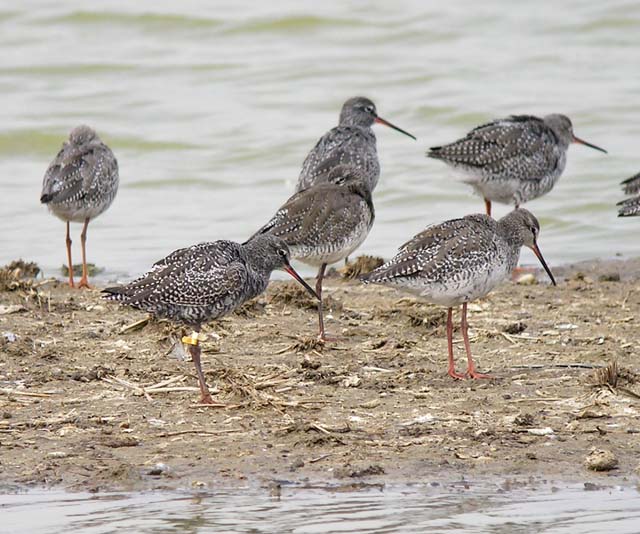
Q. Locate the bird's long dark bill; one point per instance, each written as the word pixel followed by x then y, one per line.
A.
pixel 580 141
pixel 537 252
pixel 386 123
pixel 293 273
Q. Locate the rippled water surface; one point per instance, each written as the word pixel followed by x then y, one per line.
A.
pixel 212 106
pixel 395 509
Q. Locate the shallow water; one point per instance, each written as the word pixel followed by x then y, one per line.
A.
pixel 211 108
pixel 460 508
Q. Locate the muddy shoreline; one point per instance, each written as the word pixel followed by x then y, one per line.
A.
pixel 87 404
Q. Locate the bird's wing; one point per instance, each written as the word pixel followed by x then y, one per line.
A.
pixel 76 169
pixel 340 146
pixel 632 185
pixel 201 275
pixel 629 207
pixel 322 214
pixel 519 146
pixel 440 250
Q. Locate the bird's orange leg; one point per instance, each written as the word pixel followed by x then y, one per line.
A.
pixel 321 333
pixel 452 368
pixel 71 284
pixel 471 368
pixel 194 350
pixel 84 281
pixel 487 206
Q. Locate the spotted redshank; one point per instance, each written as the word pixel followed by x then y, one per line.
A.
pixel 512 160
pixel 79 185
pixel 204 282
pixel 458 261
pixel 630 206
pixel 325 223
pixel 351 143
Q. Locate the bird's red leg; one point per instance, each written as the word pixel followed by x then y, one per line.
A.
pixel 321 333
pixel 71 284
pixel 471 368
pixel 194 350
pixel 487 206
pixel 84 281
pixel 452 367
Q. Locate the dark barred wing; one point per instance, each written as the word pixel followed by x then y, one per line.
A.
pixel 520 146
pixel 440 252
pixel 631 185
pixel 325 214
pixel 343 145
pixel 76 170
pixel 203 281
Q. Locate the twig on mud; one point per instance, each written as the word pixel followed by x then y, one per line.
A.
pixel 135 387
pixel 135 326
pixel 194 431
pixel 509 338
pixel 217 405
pixel 558 366
pixel 319 428
pixel 319 458
pixel 377 369
pixel 625 299
pixel 628 392
pixel 18 393
pixel 536 399
pixel 160 387
pixel 168 382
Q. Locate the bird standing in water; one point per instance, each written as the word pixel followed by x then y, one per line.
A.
pixel 203 282
pixel 512 160
pixel 325 223
pixel 458 261
pixel 351 143
pixel 79 185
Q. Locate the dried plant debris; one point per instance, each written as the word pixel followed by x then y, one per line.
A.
pixel 304 345
pixel 23 269
pixel 16 276
pixel 429 318
pixel 361 265
pixel 251 309
pixel 606 376
pixel 601 460
pixel 291 294
pixel 515 328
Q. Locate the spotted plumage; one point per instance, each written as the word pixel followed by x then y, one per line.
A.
pixel 512 160
pixel 460 260
pixel 630 206
pixel 80 184
pixel 352 143
pixel 206 281
pixel 82 180
pixel 327 222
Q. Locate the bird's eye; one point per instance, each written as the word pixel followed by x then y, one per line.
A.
pixel 283 252
pixel 369 109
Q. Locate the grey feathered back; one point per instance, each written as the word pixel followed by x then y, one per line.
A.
pixel 519 147
pixel 82 180
pixel 352 143
pixel 326 221
pixel 205 281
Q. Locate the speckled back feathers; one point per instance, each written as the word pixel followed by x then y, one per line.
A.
pixel 204 281
pixel 82 180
